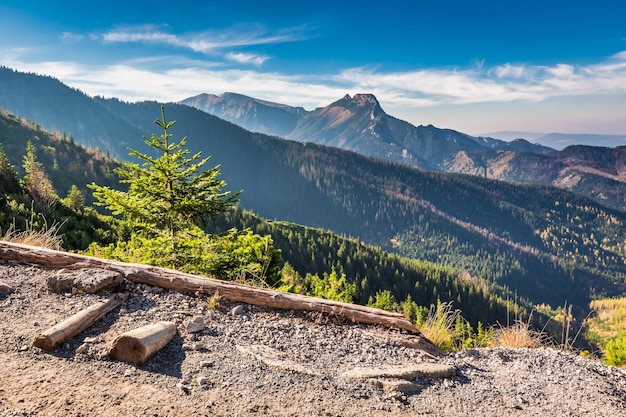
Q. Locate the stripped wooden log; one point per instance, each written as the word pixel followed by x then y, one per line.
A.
pixel 410 372
pixel 75 324
pixel 138 345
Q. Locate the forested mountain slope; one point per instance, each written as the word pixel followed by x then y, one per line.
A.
pixel 67 163
pixel 547 244
pixel 56 107
pixel 308 251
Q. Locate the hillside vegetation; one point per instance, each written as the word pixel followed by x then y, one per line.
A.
pixel 316 262
pixel 536 244
pixel 607 329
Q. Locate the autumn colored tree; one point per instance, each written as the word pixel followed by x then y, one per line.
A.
pixel 36 182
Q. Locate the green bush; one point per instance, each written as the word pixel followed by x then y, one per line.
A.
pixel 615 350
pixel 235 255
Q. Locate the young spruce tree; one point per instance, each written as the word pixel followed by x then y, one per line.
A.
pixel 168 197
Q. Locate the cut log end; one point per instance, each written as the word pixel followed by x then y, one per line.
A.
pixel 139 345
pixel 45 342
pixel 129 349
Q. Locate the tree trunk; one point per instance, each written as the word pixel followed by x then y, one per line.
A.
pixel 75 324
pixel 137 346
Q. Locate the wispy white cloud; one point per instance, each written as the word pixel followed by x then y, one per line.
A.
pixel 561 71
pixel 498 84
pixel 244 58
pixel 207 41
pixel 71 37
pixel 437 86
pixel 144 33
pixel 512 70
pixel 136 80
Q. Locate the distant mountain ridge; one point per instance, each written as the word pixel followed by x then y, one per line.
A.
pixel 561 141
pixel 250 113
pixel 361 125
pixel 357 124
pixel 56 107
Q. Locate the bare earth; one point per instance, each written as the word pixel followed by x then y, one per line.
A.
pixel 251 361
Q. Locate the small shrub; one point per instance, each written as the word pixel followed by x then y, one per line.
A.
pixel 615 350
pixel 384 300
pixel 331 287
pixel 214 301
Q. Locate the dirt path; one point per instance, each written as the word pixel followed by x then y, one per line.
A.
pixel 251 361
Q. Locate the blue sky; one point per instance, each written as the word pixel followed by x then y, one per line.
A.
pixel 475 66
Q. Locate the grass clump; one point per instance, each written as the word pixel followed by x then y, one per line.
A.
pixel 214 301
pixel 519 335
pixel 440 324
pixel 448 330
pixel 48 237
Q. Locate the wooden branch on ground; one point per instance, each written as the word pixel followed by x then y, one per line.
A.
pixel 75 324
pixel 138 345
pixel 182 282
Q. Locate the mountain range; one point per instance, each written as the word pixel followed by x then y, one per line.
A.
pixel 360 124
pixel 545 243
pixel 357 124
pixel 562 140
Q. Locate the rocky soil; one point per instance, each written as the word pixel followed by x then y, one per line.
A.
pixel 243 360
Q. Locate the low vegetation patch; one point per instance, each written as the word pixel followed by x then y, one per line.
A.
pixel 607 329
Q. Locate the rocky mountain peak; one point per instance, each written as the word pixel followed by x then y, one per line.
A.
pixel 362 100
pixel 365 100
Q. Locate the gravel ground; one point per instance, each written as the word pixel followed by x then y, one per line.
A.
pixel 252 361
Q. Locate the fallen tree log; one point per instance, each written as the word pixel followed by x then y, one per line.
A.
pixel 75 324
pixel 182 282
pixel 138 345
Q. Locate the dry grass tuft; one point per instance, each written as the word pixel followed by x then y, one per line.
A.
pixel 47 238
pixel 439 325
pixel 519 335
pixel 214 301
